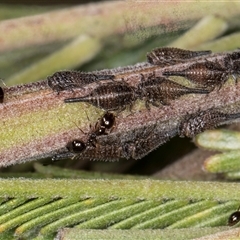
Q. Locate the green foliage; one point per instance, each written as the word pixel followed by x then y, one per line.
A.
pixel 40 207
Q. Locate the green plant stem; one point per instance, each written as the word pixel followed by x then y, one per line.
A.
pixel 206 29
pixel 165 234
pixel 133 189
pixel 78 51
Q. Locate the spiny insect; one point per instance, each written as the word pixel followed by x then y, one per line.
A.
pixel 208 74
pixel 234 218
pixel 100 152
pixel 167 56
pixel 68 80
pixel 163 90
pixel 196 123
pixel 1 95
pixel 139 142
pixel 109 96
pixel 133 144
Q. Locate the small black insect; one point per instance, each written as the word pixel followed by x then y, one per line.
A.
pixel 208 74
pixel 109 96
pixel 234 218
pixel 76 146
pixel 68 80
pixel 107 121
pixel 196 123
pixel 168 56
pixel 163 90
pixel 1 95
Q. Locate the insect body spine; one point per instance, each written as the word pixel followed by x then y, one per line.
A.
pixel 109 96
pixel 162 90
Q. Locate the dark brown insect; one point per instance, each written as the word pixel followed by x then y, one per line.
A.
pixel 234 218
pixel 109 152
pixel 133 144
pixel 196 123
pixel 68 80
pixel 109 96
pixel 1 95
pixel 208 74
pixel 168 56
pixel 140 141
pixel 162 90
